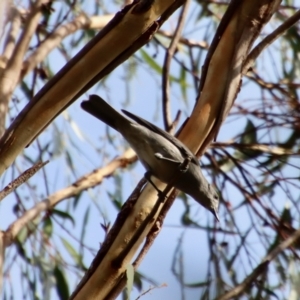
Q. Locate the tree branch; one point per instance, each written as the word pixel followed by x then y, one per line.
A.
pixel 166 69
pixel 273 150
pixel 10 42
pixel 10 75
pixel 269 40
pixel 53 41
pixel 84 183
pixel 21 179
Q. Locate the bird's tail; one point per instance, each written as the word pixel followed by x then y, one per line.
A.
pixel 100 109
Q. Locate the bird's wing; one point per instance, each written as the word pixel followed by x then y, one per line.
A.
pixel 183 149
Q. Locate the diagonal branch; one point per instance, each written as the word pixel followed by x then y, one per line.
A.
pixel 80 22
pixel 268 40
pixel 10 42
pixel 273 150
pixel 86 69
pixel 21 179
pixel 84 183
pixel 10 75
pixel 238 34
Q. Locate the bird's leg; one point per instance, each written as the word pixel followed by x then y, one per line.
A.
pixel 148 177
pixel 183 166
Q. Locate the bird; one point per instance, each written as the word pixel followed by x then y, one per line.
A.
pixel 160 153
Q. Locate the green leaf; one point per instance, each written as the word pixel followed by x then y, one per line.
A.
pixel 61 284
pixel 138 282
pixel 26 231
pixel 115 200
pixel 183 84
pixel 74 254
pixel 23 234
pixel 26 90
pixel 85 221
pixel 116 197
pixel 58 143
pixel 154 65
pixel 69 160
pixel 21 251
pixel 33 288
pixel 76 199
pixel 249 135
pixel 48 227
pixel 286 216
pixel 63 214
pixel 269 292
pixel 198 284
pixel 151 62
pixel 130 279
pixel 263 188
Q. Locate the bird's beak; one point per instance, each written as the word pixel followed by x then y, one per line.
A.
pixel 215 213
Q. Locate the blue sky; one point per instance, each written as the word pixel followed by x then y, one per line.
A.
pixel 87 141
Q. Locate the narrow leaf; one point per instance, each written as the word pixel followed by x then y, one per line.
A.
pixel 61 284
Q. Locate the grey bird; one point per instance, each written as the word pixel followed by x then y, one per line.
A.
pixel 160 153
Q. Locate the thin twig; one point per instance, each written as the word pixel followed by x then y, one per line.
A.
pixel 166 69
pixel 31 24
pixel 243 287
pixel 270 39
pixel 10 75
pixel 88 181
pixel 149 290
pixel 184 41
pixel 273 150
pixel 80 22
pixel 10 41
pixel 83 22
pixel 21 179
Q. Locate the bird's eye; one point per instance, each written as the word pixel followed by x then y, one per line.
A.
pixel 216 197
